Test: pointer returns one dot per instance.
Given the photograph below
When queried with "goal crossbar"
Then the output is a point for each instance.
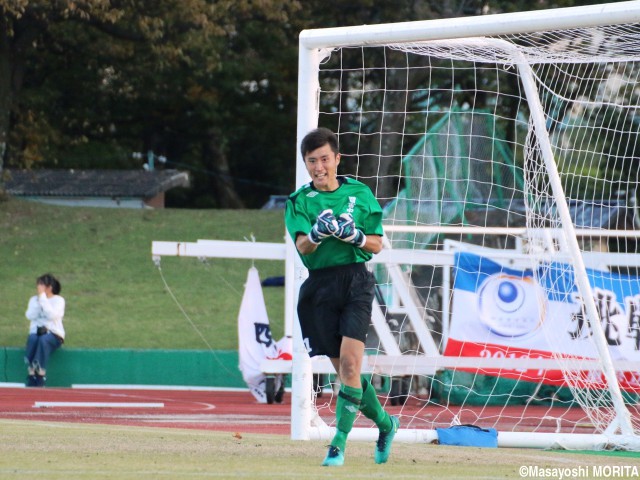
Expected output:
(485, 25)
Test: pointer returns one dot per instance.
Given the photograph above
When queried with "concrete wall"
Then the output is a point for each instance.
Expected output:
(130, 367)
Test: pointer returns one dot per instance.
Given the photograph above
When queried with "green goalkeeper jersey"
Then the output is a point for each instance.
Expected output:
(354, 197)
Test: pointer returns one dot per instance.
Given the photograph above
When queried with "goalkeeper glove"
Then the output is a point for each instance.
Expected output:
(348, 232)
(326, 225)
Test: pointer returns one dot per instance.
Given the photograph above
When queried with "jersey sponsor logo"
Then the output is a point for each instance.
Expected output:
(352, 205)
(312, 194)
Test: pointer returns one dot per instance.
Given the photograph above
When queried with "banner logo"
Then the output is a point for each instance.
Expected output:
(511, 306)
(263, 334)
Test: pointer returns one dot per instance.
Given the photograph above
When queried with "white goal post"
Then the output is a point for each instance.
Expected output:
(559, 81)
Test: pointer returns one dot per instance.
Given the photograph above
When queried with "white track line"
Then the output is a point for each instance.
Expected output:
(87, 386)
(98, 404)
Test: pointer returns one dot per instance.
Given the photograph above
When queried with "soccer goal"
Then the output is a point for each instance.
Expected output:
(505, 150)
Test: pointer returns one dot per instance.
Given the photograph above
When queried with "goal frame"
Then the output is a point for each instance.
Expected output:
(314, 46)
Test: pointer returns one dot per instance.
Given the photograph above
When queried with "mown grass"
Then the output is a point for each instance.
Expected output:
(114, 293)
(83, 451)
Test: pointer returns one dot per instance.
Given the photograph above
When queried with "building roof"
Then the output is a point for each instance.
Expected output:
(93, 183)
(614, 214)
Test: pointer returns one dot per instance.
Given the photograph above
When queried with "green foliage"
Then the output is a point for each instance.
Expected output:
(93, 76)
(209, 85)
(115, 295)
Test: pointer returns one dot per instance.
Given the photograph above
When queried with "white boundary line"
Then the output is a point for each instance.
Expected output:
(103, 386)
(155, 387)
(98, 404)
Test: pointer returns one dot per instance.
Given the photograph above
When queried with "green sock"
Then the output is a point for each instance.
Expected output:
(347, 407)
(371, 408)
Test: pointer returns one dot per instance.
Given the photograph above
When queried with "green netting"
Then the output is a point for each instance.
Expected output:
(464, 388)
(462, 164)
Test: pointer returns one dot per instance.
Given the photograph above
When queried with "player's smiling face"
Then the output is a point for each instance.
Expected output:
(322, 165)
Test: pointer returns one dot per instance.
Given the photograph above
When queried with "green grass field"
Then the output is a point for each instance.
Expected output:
(81, 451)
(114, 293)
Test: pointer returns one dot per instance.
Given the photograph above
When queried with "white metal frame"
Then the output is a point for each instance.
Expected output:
(314, 45)
(392, 363)
(313, 48)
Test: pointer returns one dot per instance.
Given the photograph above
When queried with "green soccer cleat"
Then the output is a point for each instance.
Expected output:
(383, 445)
(334, 458)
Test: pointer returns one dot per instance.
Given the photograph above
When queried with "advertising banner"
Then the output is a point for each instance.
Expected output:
(500, 312)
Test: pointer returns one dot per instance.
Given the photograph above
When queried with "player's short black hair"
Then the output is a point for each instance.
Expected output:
(49, 280)
(318, 138)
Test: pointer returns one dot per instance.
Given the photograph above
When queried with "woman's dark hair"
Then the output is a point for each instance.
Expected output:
(49, 280)
(318, 138)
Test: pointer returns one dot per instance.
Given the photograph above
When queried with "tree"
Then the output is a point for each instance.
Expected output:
(209, 84)
(86, 76)
(381, 145)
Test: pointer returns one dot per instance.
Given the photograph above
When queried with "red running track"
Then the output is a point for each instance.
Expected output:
(238, 411)
(205, 410)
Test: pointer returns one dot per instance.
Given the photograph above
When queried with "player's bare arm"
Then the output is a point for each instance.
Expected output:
(373, 244)
(306, 246)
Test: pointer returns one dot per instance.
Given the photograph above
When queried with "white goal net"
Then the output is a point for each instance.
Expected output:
(506, 155)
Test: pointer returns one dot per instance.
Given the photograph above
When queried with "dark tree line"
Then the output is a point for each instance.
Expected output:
(210, 85)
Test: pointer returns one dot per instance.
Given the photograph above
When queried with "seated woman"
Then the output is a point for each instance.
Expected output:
(46, 333)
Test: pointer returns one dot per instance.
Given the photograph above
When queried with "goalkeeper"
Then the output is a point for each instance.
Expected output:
(335, 223)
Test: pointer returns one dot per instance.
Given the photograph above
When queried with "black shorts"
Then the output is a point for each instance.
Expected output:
(333, 303)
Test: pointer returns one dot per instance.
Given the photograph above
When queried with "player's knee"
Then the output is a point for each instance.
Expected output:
(349, 368)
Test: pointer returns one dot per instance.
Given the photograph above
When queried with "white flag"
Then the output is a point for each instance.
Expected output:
(254, 336)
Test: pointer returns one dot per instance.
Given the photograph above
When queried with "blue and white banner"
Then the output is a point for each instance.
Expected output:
(503, 312)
